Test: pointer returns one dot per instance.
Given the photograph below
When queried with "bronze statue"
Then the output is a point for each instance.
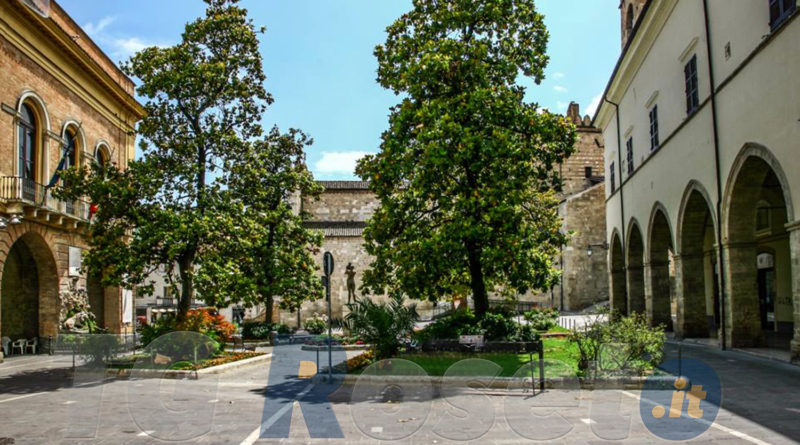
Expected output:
(350, 271)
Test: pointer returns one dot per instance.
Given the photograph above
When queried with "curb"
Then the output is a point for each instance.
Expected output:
(626, 383)
(183, 374)
(335, 348)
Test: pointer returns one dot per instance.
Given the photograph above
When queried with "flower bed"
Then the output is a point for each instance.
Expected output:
(146, 362)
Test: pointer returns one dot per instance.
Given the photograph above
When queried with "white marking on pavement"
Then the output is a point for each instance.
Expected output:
(69, 402)
(22, 397)
(588, 421)
(377, 429)
(715, 425)
(145, 433)
(213, 401)
(254, 436)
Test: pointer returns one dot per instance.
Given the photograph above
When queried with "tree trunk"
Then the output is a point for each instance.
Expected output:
(185, 265)
(268, 312)
(479, 294)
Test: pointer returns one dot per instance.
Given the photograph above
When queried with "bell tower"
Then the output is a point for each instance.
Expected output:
(629, 13)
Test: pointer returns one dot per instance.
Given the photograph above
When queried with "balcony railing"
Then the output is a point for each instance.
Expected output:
(14, 189)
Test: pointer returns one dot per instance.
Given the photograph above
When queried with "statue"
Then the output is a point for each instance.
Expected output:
(350, 271)
(76, 313)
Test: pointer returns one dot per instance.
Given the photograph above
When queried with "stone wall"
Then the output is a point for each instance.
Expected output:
(584, 275)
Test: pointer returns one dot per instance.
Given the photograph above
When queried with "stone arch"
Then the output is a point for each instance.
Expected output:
(660, 268)
(619, 287)
(28, 271)
(759, 310)
(102, 152)
(746, 154)
(33, 98)
(697, 275)
(42, 117)
(635, 268)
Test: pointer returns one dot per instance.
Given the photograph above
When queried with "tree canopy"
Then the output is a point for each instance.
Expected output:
(466, 173)
(210, 187)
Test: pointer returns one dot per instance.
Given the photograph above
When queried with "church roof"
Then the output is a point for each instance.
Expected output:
(338, 228)
(344, 185)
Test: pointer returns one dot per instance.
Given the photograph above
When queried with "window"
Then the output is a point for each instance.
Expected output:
(612, 178)
(779, 11)
(692, 94)
(587, 171)
(27, 152)
(629, 150)
(763, 218)
(654, 128)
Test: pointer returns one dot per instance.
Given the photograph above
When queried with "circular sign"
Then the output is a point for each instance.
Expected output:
(327, 263)
(683, 405)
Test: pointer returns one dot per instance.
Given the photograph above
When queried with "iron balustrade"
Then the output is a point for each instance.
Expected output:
(28, 191)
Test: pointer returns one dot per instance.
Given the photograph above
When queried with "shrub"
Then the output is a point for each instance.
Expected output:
(257, 330)
(208, 322)
(317, 324)
(542, 319)
(451, 326)
(498, 327)
(383, 325)
(623, 345)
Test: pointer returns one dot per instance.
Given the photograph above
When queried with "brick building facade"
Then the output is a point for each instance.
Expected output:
(59, 93)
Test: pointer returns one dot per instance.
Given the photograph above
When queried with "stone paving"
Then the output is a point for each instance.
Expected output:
(761, 404)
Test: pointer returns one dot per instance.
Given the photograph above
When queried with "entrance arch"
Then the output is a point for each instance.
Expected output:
(635, 261)
(29, 290)
(698, 286)
(619, 292)
(660, 269)
(759, 307)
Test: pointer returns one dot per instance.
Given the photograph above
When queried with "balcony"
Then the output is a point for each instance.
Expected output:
(34, 200)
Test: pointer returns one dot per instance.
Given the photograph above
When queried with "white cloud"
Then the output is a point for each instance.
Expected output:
(560, 89)
(125, 48)
(593, 105)
(558, 75)
(94, 29)
(338, 162)
(119, 48)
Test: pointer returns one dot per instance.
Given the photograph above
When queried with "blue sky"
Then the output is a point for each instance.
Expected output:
(320, 68)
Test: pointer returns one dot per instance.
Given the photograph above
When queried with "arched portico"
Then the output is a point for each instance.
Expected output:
(697, 290)
(659, 270)
(761, 267)
(619, 293)
(29, 289)
(635, 269)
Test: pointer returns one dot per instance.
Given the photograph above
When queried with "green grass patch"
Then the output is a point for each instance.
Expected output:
(560, 357)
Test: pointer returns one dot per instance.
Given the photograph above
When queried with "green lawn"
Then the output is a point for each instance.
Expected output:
(560, 357)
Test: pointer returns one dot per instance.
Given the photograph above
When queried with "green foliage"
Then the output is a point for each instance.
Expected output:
(623, 345)
(493, 326)
(316, 325)
(257, 330)
(465, 174)
(542, 319)
(203, 197)
(383, 325)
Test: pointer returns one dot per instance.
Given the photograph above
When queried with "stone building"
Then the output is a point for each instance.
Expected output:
(341, 213)
(582, 209)
(59, 94)
(700, 119)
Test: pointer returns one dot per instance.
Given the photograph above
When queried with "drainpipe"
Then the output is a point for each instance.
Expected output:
(621, 194)
(721, 258)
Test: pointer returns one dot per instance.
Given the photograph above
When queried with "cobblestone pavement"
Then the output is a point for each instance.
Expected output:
(761, 403)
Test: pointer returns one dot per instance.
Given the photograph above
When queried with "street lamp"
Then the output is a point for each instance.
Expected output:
(589, 249)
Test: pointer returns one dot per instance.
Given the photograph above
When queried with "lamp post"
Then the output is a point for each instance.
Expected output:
(327, 267)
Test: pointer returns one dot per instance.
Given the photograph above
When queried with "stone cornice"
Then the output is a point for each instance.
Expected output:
(59, 55)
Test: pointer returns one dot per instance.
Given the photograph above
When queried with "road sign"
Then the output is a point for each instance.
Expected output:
(327, 263)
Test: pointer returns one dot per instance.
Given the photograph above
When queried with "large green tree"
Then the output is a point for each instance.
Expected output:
(465, 174)
(275, 250)
(184, 202)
